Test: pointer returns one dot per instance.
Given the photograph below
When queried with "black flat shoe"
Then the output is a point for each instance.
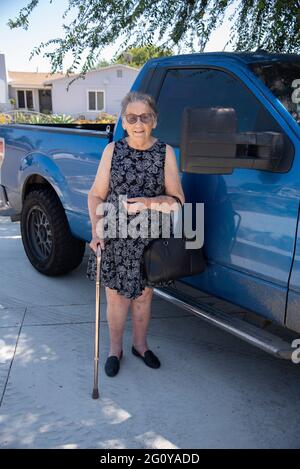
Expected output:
(112, 365)
(149, 358)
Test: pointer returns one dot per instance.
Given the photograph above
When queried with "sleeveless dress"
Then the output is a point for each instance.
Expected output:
(134, 173)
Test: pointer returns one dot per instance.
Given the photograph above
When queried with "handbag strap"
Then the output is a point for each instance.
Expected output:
(181, 205)
(177, 200)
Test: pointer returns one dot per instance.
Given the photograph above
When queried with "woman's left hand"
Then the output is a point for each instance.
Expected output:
(135, 205)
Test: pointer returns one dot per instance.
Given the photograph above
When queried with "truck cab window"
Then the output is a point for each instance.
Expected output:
(207, 87)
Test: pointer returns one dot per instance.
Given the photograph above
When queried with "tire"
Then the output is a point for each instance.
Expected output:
(46, 236)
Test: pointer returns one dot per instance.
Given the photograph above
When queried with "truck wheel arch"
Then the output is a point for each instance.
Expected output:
(51, 249)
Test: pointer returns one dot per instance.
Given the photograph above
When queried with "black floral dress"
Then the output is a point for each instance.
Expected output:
(134, 173)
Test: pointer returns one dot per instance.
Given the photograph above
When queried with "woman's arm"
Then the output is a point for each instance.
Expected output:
(98, 192)
(173, 185)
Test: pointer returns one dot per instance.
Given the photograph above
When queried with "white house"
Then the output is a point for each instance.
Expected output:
(29, 91)
(101, 90)
(26, 89)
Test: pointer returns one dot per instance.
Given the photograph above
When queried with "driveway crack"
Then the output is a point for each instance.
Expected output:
(13, 357)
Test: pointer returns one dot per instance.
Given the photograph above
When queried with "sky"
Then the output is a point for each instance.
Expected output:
(45, 23)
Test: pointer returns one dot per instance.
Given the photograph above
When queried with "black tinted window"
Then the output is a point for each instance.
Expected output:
(21, 99)
(29, 99)
(207, 88)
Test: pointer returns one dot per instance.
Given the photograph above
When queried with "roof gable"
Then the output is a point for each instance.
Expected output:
(101, 69)
(30, 79)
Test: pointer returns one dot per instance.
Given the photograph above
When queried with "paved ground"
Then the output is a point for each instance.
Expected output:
(212, 391)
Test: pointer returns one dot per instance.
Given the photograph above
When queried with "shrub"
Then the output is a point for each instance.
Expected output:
(60, 119)
(5, 119)
(105, 118)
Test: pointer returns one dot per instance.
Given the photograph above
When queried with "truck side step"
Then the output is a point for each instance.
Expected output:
(250, 333)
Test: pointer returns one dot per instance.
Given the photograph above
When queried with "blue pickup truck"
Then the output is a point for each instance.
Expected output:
(232, 119)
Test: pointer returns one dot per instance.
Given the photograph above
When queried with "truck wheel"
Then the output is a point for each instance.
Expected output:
(46, 235)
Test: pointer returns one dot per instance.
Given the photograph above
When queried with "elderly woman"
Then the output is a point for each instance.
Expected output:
(143, 169)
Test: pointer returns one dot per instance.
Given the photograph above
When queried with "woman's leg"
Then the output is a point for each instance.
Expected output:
(141, 313)
(117, 309)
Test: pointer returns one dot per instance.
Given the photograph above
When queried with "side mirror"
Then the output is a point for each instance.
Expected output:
(210, 143)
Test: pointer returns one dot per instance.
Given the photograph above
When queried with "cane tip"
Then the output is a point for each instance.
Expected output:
(95, 394)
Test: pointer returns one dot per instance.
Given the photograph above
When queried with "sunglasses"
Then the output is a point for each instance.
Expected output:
(145, 118)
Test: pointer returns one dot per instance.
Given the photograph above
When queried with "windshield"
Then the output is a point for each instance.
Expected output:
(283, 79)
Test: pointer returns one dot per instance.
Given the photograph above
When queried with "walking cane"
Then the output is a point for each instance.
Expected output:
(95, 394)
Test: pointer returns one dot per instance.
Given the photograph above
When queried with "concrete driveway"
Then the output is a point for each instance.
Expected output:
(212, 390)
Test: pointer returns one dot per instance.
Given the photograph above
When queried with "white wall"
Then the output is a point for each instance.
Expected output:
(4, 103)
(75, 101)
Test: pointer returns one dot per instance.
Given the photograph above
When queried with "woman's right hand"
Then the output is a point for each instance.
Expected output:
(94, 243)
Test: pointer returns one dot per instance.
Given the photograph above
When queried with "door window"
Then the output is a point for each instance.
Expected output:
(25, 99)
(205, 87)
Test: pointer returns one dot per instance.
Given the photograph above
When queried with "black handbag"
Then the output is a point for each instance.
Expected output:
(167, 259)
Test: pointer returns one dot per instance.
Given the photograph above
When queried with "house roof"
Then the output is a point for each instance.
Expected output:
(30, 79)
(91, 71)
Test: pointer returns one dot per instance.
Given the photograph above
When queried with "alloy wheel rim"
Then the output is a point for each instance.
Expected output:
(40, 233)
